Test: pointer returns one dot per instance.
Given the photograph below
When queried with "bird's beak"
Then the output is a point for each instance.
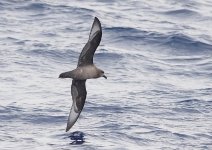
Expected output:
(104, 76)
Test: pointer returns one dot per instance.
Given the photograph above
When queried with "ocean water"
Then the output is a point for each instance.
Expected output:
(158, 59)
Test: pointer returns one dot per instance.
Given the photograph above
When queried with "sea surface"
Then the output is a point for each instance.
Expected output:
(157, 56)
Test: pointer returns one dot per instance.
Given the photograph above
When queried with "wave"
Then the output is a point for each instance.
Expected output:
(195, 101)
(38, 6)
(126, 33)
(8, 113)
(185, 42)
(44, 118)
(31, 6)
(182, 13)
(62, 56)
(193, 106)
(173, 40)
(123, 29)
(189, 101)
(184, 136)
(104, 55)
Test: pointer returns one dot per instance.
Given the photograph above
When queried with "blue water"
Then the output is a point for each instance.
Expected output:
(158, 59)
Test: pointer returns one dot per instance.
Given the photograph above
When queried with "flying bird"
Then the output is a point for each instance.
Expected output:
(85, 70)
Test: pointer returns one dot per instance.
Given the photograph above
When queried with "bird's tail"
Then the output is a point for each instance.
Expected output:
(66, 74)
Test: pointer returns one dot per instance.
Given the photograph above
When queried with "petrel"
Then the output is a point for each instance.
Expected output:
(85, 70)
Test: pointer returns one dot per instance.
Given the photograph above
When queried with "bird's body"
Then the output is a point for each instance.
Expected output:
(83, 73)
(85, 70)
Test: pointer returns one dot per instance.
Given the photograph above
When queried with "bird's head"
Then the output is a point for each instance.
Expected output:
(102, 74)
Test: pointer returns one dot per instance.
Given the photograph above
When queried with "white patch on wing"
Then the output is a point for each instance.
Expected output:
(74, 113)
(95, 28)
(72, 117)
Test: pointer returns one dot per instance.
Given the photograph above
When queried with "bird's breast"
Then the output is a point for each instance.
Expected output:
(86, 72)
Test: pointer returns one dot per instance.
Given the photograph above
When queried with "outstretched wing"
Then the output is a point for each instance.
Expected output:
(86, 56)
(78, 92)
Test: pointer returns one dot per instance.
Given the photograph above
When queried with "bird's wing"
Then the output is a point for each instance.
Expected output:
(78, 92)
(86, 56)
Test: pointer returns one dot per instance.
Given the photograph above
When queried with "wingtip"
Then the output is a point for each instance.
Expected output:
(96, 19)
(72, 118)
(67, 129)
(96, 29)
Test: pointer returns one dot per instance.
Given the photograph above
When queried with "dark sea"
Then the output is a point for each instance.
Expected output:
(157, 56)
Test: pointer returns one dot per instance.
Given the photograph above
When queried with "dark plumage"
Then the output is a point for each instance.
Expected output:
(85, 70)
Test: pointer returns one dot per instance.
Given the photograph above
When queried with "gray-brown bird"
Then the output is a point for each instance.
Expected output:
(85, 70)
